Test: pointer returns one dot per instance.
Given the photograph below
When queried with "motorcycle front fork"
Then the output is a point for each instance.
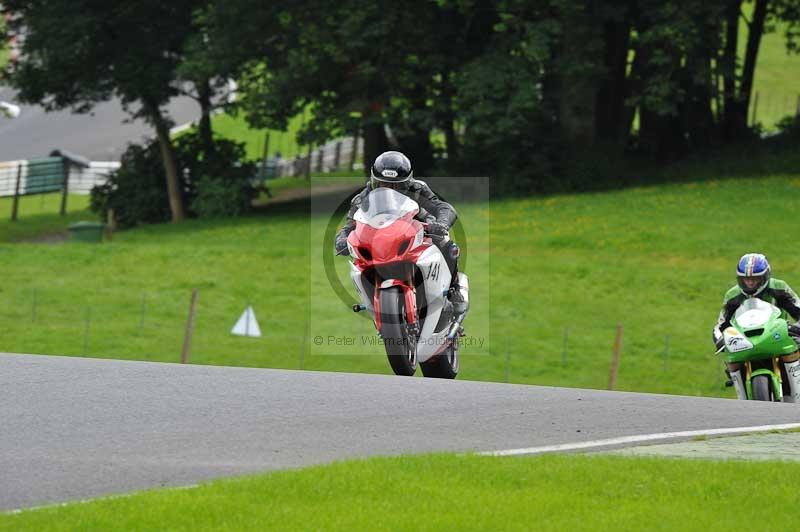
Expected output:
(791, 366)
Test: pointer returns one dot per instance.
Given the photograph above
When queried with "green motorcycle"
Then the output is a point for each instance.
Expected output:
(757, 338)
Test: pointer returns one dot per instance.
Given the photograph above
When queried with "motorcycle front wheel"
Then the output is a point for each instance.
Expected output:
(762, 388)
(443, 366)
(400, 347)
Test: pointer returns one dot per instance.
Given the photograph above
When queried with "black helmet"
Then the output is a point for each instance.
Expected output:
(391, 169)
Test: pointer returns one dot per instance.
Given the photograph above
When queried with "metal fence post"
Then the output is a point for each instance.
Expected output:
(15, 208)
(264, 154)
(65, 165)
(86, 331)
(187, 338)
(614, 370)
(337, 153)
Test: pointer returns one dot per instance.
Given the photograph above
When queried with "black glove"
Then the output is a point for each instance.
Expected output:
(437, 231)
(341, 246)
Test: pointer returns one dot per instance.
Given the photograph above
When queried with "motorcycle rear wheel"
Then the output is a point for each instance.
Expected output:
(762, 388)
(401, 348)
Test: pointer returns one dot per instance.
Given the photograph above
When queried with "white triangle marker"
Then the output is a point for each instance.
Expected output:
(247, 324)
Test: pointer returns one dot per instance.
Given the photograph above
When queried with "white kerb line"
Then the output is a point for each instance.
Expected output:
(638, 439)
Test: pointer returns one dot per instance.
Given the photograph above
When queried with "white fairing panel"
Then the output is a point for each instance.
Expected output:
(366, 299)
(736, 341)
(754, 312)
(436, 277)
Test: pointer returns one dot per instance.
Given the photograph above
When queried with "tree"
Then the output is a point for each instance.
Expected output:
(80, 52)
(356, 66)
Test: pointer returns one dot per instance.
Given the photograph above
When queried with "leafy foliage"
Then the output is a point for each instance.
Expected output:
(221, 178)
(136, 190)
(213, 184)
(510, 88)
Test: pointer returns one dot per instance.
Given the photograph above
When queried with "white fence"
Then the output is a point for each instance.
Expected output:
(340, 154)
(39, 176)
(81, 180)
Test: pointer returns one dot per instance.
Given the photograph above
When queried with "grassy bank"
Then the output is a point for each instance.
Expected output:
(38, 216)
(551, 280)
(438, 492)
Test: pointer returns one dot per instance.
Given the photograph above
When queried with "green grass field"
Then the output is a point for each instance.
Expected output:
(551, 279)
(236, 128)
(450, 492)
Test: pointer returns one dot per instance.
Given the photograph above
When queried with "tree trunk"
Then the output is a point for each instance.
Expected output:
(204, 127)
(751, 55)
(634, 86)
(375, 143)
(577, 63)
(611, 121)
(730, 124)
(699, 87)
(168, 159)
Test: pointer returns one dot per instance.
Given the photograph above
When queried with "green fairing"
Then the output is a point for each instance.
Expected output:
(762, 326)
(774, 341)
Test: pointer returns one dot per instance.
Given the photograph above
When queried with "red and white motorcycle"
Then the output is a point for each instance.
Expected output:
(403, 281)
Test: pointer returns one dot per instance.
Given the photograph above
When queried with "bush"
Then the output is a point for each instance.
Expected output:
(213, 184)
(137, 191)
(222, 182)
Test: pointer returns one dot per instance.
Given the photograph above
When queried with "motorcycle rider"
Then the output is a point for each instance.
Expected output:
(393, 169)
(755, 280)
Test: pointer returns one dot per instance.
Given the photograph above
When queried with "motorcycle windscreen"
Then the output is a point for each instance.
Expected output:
(383, 206)
(755, 312)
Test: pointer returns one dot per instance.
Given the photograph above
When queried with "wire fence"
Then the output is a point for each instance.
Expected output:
(152, 325)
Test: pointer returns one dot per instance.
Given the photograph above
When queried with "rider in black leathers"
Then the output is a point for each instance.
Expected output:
(393, 169)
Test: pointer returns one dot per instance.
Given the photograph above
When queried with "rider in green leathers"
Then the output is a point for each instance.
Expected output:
(755, 280)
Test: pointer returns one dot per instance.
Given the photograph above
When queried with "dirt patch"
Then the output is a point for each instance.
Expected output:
(294, 194)
(56, 237)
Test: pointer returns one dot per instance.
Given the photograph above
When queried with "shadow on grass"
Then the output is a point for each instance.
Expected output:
(599, 170)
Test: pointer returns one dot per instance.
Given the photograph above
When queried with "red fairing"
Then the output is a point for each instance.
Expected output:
(389, 245)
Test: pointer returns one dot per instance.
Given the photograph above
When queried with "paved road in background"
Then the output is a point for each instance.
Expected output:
(72, 428)
(99, 137)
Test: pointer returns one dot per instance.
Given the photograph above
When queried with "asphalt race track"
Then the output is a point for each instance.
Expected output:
(99, 136)
(73, 428)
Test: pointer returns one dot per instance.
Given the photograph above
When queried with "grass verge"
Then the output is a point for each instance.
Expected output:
(450, 492)
(551, 278)
(38, 216)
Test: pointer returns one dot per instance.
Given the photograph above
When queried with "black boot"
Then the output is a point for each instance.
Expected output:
(459, 289)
